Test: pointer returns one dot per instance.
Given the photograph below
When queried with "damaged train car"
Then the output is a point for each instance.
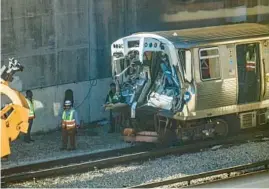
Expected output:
(193, 83)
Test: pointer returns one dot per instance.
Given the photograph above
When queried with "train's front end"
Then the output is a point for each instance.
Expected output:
(149, 73)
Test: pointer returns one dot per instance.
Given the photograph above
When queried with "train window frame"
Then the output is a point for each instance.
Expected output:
(206, 57)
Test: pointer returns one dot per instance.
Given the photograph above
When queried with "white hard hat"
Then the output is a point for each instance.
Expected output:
(67, 103)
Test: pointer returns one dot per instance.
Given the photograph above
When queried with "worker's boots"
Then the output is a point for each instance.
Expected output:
(71, 149)
(62, 149)
(5, 158)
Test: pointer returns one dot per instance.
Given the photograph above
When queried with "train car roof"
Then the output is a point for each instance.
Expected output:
(188, 38)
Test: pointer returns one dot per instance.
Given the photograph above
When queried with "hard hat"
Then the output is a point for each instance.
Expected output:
(67, 103)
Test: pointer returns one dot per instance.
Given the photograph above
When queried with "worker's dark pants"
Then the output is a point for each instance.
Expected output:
(70, 133)
(28, 136)
(112, 122)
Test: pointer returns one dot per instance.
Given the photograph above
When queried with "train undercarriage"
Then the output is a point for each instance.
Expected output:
(164, 129)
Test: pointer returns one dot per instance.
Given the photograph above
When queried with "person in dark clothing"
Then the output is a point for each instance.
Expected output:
(29, 99)
(113, 98)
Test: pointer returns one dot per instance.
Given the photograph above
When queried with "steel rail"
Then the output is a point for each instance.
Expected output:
(204, 175)
(229, 178)
(112, 161)
(74, 159)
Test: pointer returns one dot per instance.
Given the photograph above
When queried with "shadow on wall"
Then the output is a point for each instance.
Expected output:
(86, 99)
(42, 106)
(68, 95)
(47, 116)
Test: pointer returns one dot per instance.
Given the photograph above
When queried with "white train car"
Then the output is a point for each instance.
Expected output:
(202, 82)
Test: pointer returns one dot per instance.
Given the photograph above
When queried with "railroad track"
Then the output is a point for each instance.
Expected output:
(104, 160)
(75, 159)
(206, 177)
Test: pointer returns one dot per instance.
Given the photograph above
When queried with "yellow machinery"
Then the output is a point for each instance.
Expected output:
(14, 116)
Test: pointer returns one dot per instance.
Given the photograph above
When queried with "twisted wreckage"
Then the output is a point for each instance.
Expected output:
(193, 83)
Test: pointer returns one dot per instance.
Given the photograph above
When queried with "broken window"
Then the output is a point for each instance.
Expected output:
(182, 57)
(165, 82)
(210, 64)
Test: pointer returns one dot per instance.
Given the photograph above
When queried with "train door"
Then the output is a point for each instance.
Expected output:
(249, 75)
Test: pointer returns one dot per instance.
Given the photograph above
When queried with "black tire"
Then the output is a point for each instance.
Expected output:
(233, 122)
(221, 127)
(168, 138)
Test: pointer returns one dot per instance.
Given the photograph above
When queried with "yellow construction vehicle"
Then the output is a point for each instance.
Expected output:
(14, 115)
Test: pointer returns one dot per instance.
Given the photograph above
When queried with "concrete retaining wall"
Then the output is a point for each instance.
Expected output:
(89, 97)
(65, 43)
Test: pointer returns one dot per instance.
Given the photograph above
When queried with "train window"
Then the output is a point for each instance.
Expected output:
(127, 64)
(122, 66)
(181, 54)
(118, 66)
(251, 57)
(209, 63)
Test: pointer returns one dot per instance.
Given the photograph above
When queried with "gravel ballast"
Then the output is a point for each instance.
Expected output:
(47, 147)
(160, 169)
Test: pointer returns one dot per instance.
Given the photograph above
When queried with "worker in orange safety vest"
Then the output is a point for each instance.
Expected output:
(69, 124)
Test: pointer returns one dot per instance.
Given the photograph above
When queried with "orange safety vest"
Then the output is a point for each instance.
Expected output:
(250, 66)
(68, 122)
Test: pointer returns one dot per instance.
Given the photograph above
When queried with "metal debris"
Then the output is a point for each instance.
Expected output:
(216, 147)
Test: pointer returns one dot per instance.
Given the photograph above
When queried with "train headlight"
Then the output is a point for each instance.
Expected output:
(162, 46)
(187, 96)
